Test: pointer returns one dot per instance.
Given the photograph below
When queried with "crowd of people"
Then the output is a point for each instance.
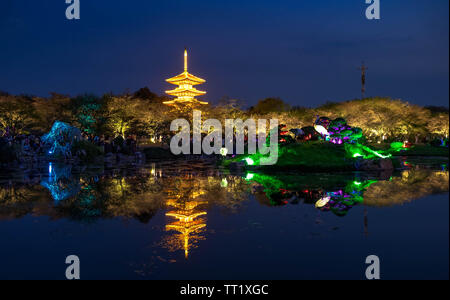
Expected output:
(22, 144)
(120, 145)
(109, 144)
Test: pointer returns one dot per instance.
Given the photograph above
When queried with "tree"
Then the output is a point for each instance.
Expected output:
(270, 105)
(87, 111)
(227, 108)
(16, 114)
(120, 112)
(129, 115)
(146, 94)
(438, 124)
(49, 110)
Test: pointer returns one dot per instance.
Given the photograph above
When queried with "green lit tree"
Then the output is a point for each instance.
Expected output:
(87, 112)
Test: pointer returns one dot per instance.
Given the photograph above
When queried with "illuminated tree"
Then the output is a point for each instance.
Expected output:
(16, 114)
(55, 108)
(87, 112)
(227, 108)
(438, 124)
(126, 114)
(120, 113)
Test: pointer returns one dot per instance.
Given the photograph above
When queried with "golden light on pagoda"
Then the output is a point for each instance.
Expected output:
(185, 93)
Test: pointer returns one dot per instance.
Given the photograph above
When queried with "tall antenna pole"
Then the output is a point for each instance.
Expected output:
(363, 69)
(185, 60)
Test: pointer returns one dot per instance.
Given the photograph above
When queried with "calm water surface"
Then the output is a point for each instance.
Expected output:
(187, 220)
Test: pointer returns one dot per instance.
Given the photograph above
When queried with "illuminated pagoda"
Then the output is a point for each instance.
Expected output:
(185, 92)
(188, 224)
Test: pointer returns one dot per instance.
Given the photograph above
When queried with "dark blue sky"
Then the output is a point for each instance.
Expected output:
(304, 51)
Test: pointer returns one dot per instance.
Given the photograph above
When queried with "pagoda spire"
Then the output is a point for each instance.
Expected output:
(185, 60)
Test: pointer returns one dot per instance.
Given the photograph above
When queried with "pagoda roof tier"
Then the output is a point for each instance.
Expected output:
(185, 92)
(184, 101)
(185, 78)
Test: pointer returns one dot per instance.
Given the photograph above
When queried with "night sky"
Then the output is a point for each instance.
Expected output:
(305, 51)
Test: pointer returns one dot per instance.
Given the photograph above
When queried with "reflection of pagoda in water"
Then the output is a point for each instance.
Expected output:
(187, 213)
(185, 92)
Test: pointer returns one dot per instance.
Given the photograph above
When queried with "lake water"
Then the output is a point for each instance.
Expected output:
(188, 220)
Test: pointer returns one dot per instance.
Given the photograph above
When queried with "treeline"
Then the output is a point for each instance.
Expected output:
(379, 118)
(143, 114)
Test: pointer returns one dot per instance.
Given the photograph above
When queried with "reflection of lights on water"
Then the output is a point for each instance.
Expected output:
(188, 223)
(224, 183)
(153, 170)
(381, 155)
(50, 168)
(357, 155)
(322, 202)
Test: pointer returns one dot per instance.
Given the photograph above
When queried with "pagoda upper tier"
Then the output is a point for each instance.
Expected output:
(185, 78)
(185, 92)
